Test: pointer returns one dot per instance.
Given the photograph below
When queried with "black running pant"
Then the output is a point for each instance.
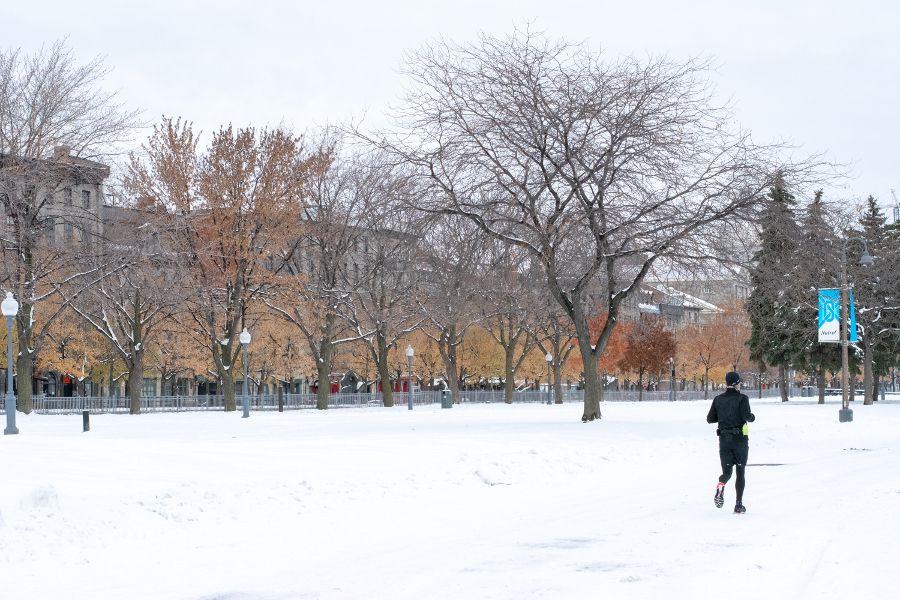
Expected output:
(733, 451)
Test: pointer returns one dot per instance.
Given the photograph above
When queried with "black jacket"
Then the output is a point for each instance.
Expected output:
(731, 410)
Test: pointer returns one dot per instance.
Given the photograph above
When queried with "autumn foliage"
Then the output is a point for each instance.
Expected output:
(649, 347)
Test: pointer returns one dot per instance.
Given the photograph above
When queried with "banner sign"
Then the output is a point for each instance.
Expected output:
(830, 316)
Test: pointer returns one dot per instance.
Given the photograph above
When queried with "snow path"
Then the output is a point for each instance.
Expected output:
(481, 501)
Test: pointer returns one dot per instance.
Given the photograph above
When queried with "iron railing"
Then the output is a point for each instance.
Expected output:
(104, 404)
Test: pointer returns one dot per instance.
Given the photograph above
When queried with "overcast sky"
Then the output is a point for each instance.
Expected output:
(822, 74)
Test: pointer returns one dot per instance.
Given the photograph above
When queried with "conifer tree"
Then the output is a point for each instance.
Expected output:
(816, 266)
(888, 322)
(768, 305)
(864, 280)
(876, 289)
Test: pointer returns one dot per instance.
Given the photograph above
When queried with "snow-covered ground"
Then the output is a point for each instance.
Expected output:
(480, 501)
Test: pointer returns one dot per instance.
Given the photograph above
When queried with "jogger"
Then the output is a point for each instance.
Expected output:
(731, 410)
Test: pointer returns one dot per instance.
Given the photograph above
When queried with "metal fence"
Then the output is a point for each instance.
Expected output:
(102, 404)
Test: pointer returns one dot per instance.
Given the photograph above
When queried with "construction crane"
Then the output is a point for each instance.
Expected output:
(896, 206)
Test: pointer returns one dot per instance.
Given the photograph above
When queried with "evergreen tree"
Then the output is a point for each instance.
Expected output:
(886, 323)
(867, 288)
(768, 305)
(816, 266)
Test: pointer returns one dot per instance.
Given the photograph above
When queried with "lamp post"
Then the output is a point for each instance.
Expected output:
(846, 414)
(409, 359)
(245, 341)
(549, 358)
(10, 308)
(672, 382)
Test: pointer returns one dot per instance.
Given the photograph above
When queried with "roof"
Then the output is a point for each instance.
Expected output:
(649, 308)
(689, 301)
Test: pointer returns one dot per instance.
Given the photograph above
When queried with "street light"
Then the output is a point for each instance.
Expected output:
(10, 308)
(549, 358)
(672, 384)
(845, 415)
(245, 341)
(409, 357)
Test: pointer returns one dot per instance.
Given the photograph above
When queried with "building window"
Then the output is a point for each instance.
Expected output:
(67, 197)
(149, 387)
(86, 199)
(68, 231)
(707, 289)
(51, 231)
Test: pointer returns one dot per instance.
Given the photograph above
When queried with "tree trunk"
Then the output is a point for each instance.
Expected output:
(447, 347)
(323, 372)
(24, 360)
(593, 390)
(135, 383)
(867, 373)
(23, 377)
(323, 365)
(820, 380)
(384, 373)
(782, 382)
(509, 378)
(557, 382)
(226, 379)
(453, 382)
(706, 384)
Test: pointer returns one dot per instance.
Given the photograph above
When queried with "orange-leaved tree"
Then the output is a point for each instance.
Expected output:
(649, 347)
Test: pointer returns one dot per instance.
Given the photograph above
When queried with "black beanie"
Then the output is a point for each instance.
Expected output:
(732, 379)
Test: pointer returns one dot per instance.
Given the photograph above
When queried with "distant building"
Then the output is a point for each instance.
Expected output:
(68, 192)
(675, 307)
(715, 291)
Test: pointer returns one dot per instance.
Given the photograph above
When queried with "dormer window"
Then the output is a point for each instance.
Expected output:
(86, 199)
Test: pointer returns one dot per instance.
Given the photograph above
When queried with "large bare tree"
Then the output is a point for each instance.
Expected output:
(57, 127)
(598, 168)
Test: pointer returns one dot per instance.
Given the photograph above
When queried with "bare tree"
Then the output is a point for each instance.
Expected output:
(596, 168)
(128, 306)
(56, 126)
(315, 284)
(386, 277)
(555, 336)
(450, 287)
(509, 309)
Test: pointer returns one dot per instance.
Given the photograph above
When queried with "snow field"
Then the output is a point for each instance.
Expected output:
(480, 501)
